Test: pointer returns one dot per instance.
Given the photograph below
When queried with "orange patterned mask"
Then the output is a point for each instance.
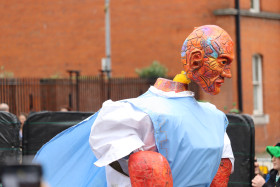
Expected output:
(207, 54)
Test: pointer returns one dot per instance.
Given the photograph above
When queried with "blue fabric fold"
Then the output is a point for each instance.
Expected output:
(68, 160)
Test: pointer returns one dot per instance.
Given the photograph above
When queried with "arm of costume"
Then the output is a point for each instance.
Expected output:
(118, 130)
(148, 168)
(226, 166)
(227, 151)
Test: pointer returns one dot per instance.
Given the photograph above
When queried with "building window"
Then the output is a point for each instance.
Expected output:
(255, 5)
(257, 85)
(258, 114)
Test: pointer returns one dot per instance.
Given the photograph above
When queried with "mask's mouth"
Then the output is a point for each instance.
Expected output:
(219, 81)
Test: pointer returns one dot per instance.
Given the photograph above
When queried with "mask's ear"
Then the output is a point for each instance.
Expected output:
(196, 59)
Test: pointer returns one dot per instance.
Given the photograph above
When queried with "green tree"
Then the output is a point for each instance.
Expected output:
(5, 74)
(154, 71)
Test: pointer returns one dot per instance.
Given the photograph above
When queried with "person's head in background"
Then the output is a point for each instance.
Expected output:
(64, 109)
(274, 152)
(4, 107)
(22, 117)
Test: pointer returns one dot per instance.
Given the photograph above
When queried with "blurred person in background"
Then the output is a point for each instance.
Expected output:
(22, 118)
(4, 107)
(272, 178)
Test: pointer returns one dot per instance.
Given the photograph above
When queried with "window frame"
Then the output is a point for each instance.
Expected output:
(257, 83)
(255, 6)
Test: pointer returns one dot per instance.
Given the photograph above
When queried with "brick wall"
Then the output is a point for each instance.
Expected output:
(46, 38)
(43, 39)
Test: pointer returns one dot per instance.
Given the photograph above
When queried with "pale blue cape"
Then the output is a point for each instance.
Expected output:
(189, 134)
(68, 160)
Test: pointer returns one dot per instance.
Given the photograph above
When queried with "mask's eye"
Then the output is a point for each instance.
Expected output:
(224, 61)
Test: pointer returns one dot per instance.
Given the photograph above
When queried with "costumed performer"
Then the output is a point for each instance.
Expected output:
(166, 119)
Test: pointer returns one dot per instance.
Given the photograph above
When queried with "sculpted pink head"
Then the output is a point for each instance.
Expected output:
(206, 55)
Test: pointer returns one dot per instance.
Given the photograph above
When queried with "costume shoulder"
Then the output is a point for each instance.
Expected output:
(212, 108)
(208, 105)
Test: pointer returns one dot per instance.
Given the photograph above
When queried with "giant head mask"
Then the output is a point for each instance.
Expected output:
(206, 55)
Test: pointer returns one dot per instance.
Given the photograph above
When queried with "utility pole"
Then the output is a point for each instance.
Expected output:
(107, 39)
(238, 54)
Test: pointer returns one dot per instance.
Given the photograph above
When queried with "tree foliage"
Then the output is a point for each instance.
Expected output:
(5, 74)
(154, 71)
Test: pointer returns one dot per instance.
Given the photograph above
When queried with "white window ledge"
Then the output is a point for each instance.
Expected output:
(260, 119)
(246, 13)
(254, 10)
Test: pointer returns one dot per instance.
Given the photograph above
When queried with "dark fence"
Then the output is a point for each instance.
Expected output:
(40, 127)
(80, 94)
(9, 140)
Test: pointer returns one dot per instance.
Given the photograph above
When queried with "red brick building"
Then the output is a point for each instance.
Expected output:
(47, 38)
